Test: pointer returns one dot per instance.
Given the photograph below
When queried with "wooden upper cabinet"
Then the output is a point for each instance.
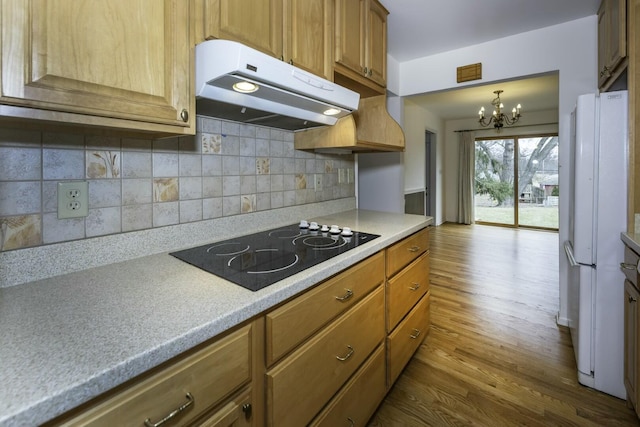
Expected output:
(256, 23)
(361, 45)
(308, 35)
(118, 63)
(296, 31)
(376, 43)
(612, 41)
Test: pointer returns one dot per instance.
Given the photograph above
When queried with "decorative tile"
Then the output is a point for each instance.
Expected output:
(165, 190)
(20, 232)
(103, 164)
(262, 166)
(328, 166)
(301, 181)
(248, 203)
(211, 143)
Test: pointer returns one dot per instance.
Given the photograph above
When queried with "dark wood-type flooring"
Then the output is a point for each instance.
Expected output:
(495, 355)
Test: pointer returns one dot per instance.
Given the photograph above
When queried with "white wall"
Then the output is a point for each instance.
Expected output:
(569, 48)
(417, 121)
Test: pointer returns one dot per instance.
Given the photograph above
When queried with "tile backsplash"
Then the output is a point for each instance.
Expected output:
(227, 168)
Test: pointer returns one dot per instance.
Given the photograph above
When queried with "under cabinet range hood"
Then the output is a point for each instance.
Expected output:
(239, 83)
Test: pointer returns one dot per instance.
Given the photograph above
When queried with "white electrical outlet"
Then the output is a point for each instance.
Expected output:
(341, 176)
(317, 182)
(73, 199)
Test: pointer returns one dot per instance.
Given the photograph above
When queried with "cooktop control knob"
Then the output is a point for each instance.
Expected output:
(304, 224)
(334, 229)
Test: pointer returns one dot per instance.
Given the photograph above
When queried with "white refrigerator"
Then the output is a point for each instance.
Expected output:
(598, 214)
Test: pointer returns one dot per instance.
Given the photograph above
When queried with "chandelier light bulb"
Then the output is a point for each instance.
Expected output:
(499, 119)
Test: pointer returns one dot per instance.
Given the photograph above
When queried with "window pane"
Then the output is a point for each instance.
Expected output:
(538, 182)
(494, 178)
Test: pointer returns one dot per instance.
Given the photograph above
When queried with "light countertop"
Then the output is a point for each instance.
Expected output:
(632, 240)
(69, 338)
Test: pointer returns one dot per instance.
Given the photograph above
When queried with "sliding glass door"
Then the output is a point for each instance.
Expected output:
(516, 181)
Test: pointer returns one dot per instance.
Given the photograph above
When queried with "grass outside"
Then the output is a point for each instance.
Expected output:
(534, 216)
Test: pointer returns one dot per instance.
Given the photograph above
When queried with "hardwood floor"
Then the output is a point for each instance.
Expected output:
(494, 355)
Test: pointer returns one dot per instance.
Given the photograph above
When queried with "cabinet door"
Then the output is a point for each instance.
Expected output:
(256, 23)
(376, 51)
(350, 34)
(123, 59)
(308, 35)
(631, 342)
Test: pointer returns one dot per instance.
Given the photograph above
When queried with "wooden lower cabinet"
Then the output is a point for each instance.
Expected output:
(407, 337)
(301, 385)
(187, 388)
(237, 412)
(358, 400)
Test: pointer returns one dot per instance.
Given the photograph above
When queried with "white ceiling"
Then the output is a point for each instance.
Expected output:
(418, 28)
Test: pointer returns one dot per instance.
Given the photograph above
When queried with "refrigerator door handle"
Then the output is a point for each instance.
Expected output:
(568, 249)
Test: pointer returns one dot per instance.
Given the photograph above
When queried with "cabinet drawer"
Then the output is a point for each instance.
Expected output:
(315, 308)
(208, 376)
(405, 251)
(301, 384)
(358, 400)
(405, 289)
(630, 269)
(230, 414)
(406, 339)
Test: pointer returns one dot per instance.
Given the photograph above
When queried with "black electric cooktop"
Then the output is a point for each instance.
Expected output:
(258, 260)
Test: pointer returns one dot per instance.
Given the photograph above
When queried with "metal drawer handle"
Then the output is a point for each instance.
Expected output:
(414, 248)
(349, 354)
(352, 423)
(627, 266)
(415, 334)
(632, 299)
(172, 414)
(415, 287)
(346, 296)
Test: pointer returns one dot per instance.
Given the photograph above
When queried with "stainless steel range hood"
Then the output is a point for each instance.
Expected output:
(285, 96)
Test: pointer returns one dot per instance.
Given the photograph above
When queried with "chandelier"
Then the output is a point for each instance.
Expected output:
(499, 119)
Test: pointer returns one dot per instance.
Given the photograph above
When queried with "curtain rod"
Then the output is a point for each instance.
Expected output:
(510, 127)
